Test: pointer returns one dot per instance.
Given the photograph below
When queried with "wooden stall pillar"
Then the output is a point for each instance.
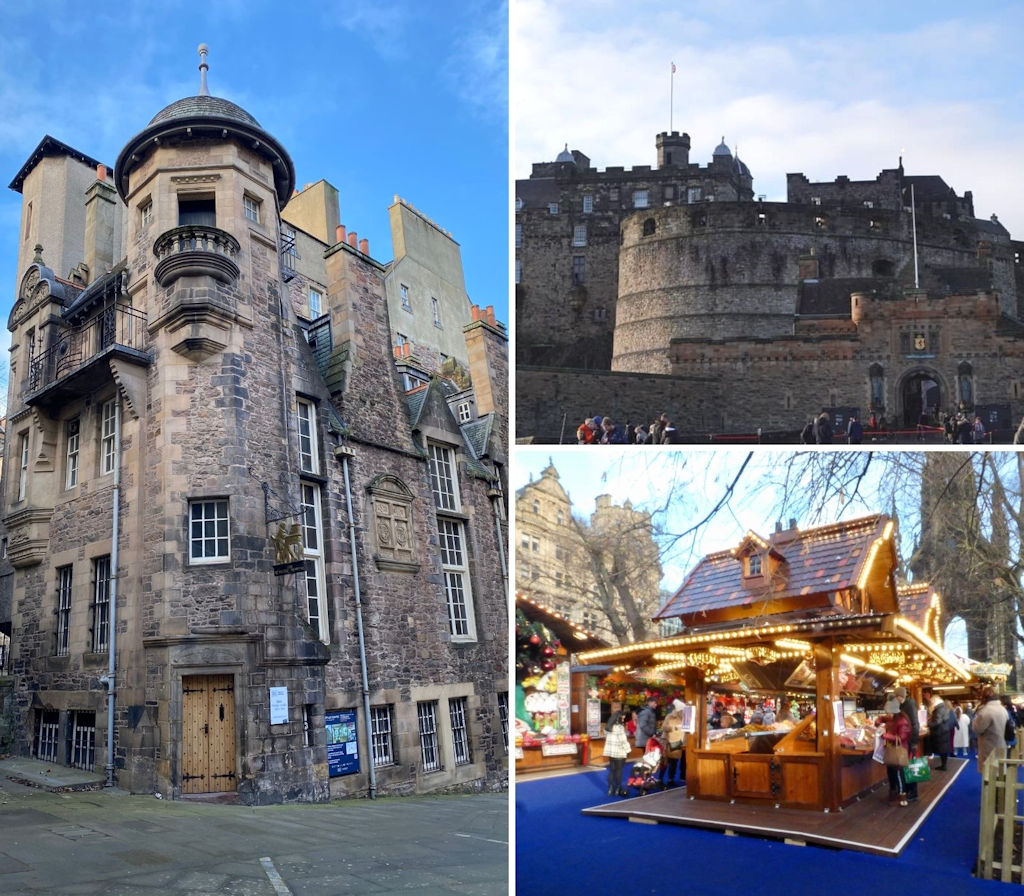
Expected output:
(826, 663)
(696, 695)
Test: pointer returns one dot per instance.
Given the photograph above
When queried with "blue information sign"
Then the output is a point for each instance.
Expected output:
(342, 743)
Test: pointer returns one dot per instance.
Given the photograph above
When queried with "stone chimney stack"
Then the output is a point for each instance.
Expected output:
(100, 208)
(487, 350)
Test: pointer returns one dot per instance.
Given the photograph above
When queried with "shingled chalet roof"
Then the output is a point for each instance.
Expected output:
(836, 569)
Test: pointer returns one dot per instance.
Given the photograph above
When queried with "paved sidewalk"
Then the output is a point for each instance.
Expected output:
(62, 842)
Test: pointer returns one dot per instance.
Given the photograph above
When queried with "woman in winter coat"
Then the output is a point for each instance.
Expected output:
(616, 748)
(897, 731)
(990, 724)
(673, 736)
(962, 731)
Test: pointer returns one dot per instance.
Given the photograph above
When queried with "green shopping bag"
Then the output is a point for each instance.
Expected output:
(917, 770)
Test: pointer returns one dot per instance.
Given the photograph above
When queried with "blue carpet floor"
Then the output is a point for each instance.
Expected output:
(560, 851)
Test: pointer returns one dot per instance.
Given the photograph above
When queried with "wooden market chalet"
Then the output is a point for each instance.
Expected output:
(814, 614)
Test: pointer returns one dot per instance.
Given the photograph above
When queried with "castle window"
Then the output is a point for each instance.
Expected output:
(579, 235)
(251, 207)
(464, 412)
(670, 192)
(71, 459)
(519, 204)
(519, 270)
(640, 199)
(430, 756)
(146, 212)
(108, 436)
(458, 714)
(965, 381)
(435, 308)
(875, 376)
(197, 212)
(519, 236)
(552, 208)
(309, 453)
(23, 465)
(650, 225)
(316, 299)
(100, 603)
(693, 194)
(588, 203)
(600, 314)
(63, 609)
(313, 554)
(208, 531)
(578, 269)
(382, 743)
(404, 290)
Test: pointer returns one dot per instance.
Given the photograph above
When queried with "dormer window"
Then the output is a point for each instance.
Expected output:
(754, 565)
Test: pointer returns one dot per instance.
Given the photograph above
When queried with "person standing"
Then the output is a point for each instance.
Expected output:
(962, 731)
(616, 749)
(823, 429)
(938, 726)
(854, 431)
(674, 737)
(897, 732)
(989, 724)
(647, 722)
(908, 706)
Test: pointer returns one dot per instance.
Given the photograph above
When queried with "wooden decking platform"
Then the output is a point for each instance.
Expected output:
(871, 824)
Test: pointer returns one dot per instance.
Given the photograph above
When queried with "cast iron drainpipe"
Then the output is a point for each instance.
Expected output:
(344, 452)
(112, 624)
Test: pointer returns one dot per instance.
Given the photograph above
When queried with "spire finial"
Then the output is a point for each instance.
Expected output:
(203, 67)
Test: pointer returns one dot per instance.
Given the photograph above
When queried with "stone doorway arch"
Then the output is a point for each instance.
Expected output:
(920, 391)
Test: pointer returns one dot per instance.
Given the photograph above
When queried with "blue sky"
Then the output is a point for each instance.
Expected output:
(378, 98)
(809, 86)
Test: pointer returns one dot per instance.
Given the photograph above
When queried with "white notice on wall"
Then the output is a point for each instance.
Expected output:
(279, 706)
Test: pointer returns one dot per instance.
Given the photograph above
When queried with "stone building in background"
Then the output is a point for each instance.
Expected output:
(602, 574)
(646, 290)
(251, 555)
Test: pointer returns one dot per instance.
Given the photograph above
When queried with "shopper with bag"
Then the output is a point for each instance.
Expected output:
(896, 755)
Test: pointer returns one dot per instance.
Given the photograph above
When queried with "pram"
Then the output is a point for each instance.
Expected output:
(644, 775)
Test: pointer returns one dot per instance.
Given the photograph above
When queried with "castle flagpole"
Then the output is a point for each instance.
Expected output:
(671, 95)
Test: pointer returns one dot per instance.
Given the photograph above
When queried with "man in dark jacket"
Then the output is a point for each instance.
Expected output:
(823, 429)
(647, 722)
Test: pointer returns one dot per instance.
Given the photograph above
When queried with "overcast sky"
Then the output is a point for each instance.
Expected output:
(378, 97)
(814, 86)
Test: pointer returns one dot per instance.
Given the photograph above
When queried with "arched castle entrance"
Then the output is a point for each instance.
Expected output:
(920, 391)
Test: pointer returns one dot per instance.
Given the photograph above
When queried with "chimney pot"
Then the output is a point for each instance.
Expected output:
(101, 172)
(353, 240)
(364, 247)
(339, 233)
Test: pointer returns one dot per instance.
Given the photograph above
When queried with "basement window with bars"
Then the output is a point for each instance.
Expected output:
(46, 735)
(382, 742)
(83, 740)
(457, 712)
(430, 754)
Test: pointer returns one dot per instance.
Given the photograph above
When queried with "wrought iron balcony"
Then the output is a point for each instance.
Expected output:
(76, 362)
(196, 250)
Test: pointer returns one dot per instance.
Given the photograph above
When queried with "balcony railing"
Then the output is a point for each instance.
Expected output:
(196, 250)
(116, 326)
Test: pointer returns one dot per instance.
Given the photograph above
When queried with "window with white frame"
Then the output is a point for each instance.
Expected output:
(209, 532)
(519, 270)
(579, 235)
(71, 461)
(146, 212)
(693, 194)
(381, 738)
(640, 199)
(443, 480)
(588, 203)
(63, 609)
(455, 569)
(435, 308)
(313, 552)
(251, 207)
(316, 302)
(519, 236)
(465, 412)
(430, 754)
(100, 603)
(309, 449)
(404, 292)
(108, 436)
(23, 465)
(552, 208)
(503, 716)
(457, 712)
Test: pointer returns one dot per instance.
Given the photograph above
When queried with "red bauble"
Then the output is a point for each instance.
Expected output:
(548, 651)
(535, 639)
(548, 665)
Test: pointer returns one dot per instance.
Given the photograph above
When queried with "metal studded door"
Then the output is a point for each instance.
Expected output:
(207, 734)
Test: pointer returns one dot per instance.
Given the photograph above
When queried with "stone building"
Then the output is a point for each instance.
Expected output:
(884, 297)
(602, 574)
(246, 557)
